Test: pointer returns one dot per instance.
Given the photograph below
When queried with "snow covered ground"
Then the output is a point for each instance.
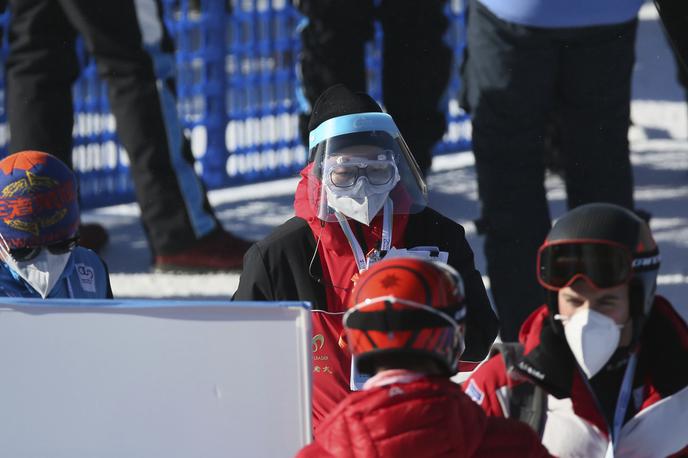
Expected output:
(659, 154)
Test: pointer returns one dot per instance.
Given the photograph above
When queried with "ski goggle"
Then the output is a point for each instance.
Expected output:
(604, 264)
(344, 172)
(28, 253)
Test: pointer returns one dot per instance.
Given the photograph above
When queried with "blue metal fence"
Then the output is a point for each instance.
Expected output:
(237, 87)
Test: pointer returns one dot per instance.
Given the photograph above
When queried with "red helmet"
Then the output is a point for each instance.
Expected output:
(407, 307)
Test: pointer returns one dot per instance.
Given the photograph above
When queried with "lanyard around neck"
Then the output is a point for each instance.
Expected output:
(385, 244)
(622, 403)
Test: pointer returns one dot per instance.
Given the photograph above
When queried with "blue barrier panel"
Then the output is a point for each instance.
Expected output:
(237, 89)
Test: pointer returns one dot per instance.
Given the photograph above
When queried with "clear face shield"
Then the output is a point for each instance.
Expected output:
(360, 161)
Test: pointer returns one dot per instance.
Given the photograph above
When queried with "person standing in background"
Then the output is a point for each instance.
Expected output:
(527, 59)
(134, 55)
(674, 15)
(416, 62)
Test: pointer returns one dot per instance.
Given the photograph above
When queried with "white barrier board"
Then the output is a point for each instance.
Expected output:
(153, 379)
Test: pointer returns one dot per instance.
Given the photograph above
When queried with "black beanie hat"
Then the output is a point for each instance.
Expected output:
(339, 100)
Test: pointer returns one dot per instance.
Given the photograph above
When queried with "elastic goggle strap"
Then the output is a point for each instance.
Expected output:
(420, 316)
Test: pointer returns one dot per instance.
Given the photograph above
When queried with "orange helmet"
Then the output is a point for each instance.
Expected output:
(407, 306)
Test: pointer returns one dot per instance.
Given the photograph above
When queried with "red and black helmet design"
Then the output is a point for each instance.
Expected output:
(606, 245)
(407, 306)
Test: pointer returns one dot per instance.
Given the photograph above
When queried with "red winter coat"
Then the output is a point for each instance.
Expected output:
(331, 358)
(307, 260)
(572, 423)
(429, 417)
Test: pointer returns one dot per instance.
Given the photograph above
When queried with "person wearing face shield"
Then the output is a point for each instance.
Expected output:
(602, 368)
(406, 325)
(39, 240)
(361, 198)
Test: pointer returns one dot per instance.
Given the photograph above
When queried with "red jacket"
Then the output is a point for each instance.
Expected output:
(429, 417)
(573, 424)
(331, 358)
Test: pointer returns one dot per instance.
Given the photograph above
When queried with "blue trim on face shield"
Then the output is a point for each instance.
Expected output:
(349, 124)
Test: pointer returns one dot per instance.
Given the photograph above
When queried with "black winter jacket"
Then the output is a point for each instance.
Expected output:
(285, 266)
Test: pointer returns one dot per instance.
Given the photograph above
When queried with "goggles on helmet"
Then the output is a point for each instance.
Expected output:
(405, 325)
(28, 253)
(411, 316)
(604, 264)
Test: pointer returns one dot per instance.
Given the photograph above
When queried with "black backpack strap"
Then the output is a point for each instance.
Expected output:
(527, 402)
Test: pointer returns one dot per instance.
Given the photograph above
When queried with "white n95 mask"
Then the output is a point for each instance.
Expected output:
(42, 272)
(363, 200)
(363, 209)
(592, 337)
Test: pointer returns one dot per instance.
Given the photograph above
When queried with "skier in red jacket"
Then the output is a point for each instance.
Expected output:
(406, 326)
(602, 366)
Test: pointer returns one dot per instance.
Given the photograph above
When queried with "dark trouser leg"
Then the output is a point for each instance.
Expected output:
(174, 207)
(41, 68)
(333, 48)
(510, 76)
(415, 72)
(595, 94)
